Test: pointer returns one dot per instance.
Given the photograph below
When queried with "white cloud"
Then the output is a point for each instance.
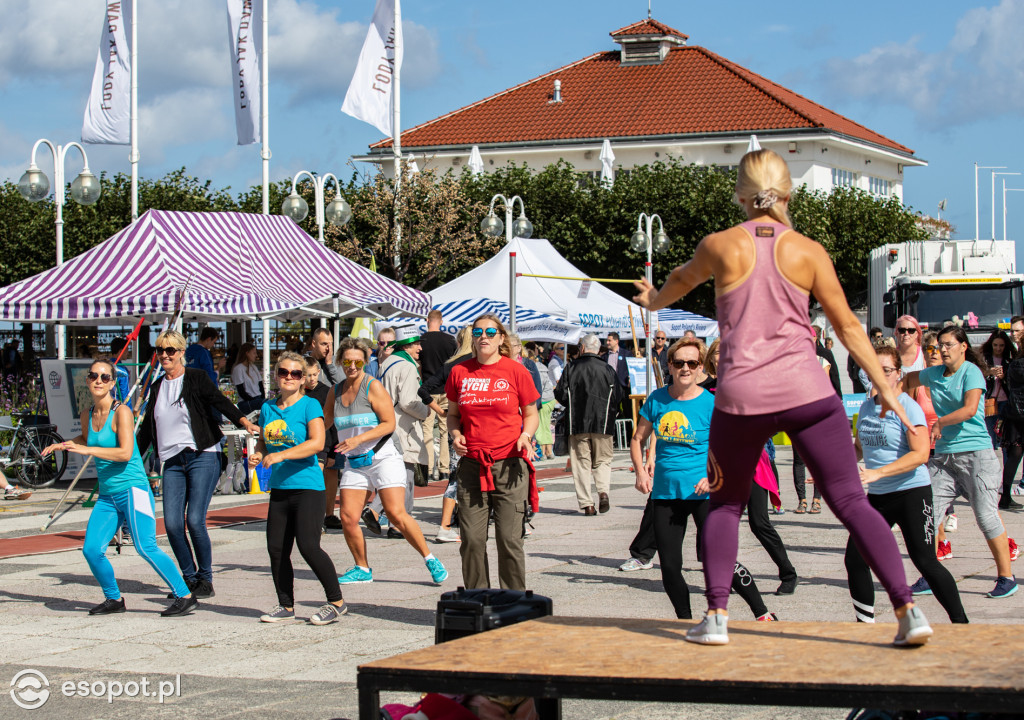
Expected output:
(979, 73)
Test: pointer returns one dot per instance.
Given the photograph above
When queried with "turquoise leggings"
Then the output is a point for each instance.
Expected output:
(108, 514)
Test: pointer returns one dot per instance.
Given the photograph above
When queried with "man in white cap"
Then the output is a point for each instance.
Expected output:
(400, 376)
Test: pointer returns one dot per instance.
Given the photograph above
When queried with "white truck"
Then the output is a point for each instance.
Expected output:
(937, 280)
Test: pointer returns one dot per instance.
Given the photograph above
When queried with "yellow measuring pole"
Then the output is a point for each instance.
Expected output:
(565, 277)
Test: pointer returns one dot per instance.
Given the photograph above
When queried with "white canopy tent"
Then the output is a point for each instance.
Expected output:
(588, 304)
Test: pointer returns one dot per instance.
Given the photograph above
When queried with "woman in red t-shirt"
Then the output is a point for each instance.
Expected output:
(492, 417)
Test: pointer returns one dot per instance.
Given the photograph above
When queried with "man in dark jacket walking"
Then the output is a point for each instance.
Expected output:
(589, 390)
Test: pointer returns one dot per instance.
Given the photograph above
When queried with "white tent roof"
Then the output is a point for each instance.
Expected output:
(588, 304)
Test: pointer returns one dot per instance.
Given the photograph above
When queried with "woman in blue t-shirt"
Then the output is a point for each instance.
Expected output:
(965, 462)
(291, 434)
(108, 435)
(900, 489)
(680, 417)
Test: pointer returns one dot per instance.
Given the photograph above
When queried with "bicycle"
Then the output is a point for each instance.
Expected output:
(24, 454)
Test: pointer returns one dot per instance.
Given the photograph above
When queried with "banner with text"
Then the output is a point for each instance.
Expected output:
(67, 395)
(108, 112)
(370, 96)
(245, 36)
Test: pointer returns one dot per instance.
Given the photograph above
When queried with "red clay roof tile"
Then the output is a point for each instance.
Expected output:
(647, 27)
(693, 91)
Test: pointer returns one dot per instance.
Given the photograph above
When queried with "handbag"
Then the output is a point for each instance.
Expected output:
(990, 407)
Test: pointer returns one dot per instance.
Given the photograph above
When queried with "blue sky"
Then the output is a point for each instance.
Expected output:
(944, 78)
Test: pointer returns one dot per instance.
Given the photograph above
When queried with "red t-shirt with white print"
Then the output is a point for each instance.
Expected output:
(489, 398)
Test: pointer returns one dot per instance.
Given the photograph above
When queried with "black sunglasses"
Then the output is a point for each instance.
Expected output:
(93, 376)
(293, 374)
(906, 331)
(480, 332)
(166, 350)
(680, 364)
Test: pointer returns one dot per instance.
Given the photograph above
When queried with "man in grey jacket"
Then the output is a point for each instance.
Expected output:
(589, 390)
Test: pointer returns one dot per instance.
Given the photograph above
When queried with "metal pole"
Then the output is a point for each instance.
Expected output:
(993, 236)
(266, 354)
(1004, 209)
(648, 273)
(58, 197)
(265, 120)
(133, 156)
(976, 228)
(396, 131)
(318, 205)
(512, 292)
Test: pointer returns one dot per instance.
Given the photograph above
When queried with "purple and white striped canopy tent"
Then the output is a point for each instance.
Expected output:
(242, 267)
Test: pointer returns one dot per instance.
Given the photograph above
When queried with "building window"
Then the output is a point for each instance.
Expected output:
(843, 178)
(878, 186)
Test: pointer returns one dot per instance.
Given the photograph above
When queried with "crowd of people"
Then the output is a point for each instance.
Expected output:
(353, 428)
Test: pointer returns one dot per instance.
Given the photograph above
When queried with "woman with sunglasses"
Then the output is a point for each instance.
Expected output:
(186, 438)
(996, 353)
(492, 417)
(108, 435)
(769, 379)
(899, 487)
(292, 435)
(363, 414)
(679, 415)
(908, 342)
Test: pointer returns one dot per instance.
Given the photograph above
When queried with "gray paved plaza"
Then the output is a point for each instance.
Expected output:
(230, 665)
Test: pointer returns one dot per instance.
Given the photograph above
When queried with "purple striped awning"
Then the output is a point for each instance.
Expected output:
(241, 267)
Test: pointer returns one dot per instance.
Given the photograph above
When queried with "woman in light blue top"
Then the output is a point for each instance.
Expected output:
(108, 435)
(364, 415)
(900, 489)
(291, 435)
(964, 462)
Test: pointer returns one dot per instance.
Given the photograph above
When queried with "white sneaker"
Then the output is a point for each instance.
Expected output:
(633, 564)
(951, 523)
(712, 630)
(447, 535)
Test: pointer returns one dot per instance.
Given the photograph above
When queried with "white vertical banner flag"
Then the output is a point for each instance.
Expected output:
(370, 97)
(108, 112)
(245, 36)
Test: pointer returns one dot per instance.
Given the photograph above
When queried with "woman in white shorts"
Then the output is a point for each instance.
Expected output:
(364, 415)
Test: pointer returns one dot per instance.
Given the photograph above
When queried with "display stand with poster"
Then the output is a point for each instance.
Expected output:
(67, 396)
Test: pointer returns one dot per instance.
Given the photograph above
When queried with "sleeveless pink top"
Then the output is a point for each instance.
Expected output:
(767, 358)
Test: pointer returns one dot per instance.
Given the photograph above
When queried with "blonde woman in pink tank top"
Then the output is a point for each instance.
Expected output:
(769, 380)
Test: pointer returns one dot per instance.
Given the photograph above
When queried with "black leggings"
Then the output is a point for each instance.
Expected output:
(800, 479)
(912, 511)
(297, 516)
(765, 532)
(670, 519)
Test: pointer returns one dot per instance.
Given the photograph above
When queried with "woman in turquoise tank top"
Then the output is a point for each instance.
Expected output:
(108, 435)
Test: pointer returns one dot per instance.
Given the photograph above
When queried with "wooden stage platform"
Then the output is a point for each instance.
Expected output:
(845, 665)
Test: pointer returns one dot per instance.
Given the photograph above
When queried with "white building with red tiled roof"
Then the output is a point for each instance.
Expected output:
(656, 98)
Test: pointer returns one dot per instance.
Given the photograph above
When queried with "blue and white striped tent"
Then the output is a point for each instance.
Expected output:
(676, 322)
(530, 324)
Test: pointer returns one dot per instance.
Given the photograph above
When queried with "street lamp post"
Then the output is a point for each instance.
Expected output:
(645, 239)
(977, 227)
(492, 226)
(994, 203)
(338, 212)
(85, 190)
(1006, 190)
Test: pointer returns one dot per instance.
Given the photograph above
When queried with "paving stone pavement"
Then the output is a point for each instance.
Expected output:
(230, 665)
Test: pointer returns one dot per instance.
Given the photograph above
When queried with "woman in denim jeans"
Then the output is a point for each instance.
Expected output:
(186, 438)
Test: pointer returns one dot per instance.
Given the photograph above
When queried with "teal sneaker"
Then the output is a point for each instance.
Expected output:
(356, 575)
(437, 571)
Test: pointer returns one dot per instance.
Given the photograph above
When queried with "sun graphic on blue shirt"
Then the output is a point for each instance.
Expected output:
(674, 426)
(276, 433)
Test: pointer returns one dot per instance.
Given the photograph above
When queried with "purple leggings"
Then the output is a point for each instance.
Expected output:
(821, 434)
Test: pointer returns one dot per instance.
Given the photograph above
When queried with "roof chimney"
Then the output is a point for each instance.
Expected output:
(556, 95)
(647, 42)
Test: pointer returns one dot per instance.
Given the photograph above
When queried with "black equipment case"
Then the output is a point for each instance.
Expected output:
(467, 612)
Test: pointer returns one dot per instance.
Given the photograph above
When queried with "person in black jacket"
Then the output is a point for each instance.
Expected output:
(825, 354)
(589, 389)
(180, 426)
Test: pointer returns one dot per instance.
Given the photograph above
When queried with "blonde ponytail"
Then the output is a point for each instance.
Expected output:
(765, 184)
